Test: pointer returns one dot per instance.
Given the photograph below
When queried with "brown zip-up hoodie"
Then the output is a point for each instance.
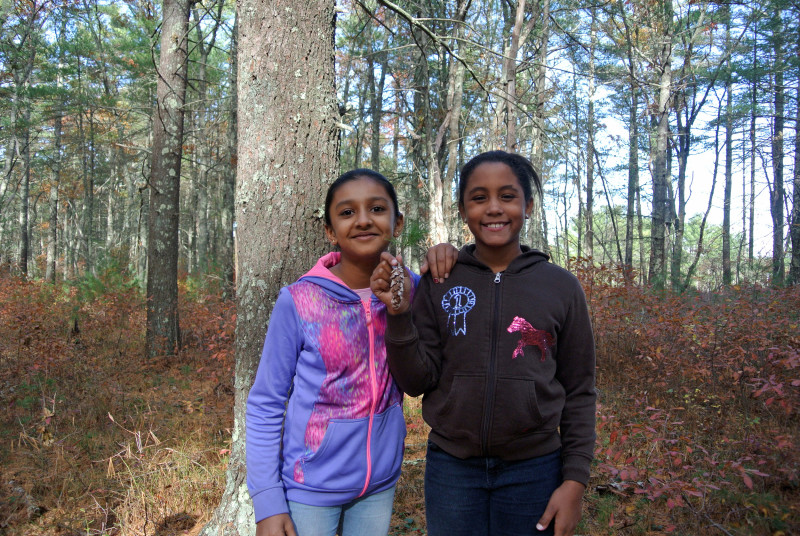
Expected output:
(505, 361)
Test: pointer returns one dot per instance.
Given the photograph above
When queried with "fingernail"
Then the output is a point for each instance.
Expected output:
(539, 526)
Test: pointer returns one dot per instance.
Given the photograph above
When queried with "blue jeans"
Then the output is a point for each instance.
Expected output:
(488, 496)
(365, 516)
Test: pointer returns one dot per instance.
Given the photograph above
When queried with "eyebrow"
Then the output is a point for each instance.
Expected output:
(370, 200)
(511, 187)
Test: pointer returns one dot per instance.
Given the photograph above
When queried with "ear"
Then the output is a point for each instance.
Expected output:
(330, 235)
(399, 222)
(462, 213)
(528, 208)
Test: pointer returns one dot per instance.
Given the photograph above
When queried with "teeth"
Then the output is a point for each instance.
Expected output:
(495, 225)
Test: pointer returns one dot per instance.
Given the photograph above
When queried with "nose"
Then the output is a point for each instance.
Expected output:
(494, 206)
(364, 218)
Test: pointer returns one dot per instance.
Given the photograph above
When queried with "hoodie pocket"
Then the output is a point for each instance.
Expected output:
(340, 463)
(388, 436)
(462, 411)
(516, 409)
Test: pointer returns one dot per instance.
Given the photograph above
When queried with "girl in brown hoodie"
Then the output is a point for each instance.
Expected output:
(503, 353)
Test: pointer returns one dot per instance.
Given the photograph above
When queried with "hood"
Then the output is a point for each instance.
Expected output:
(528, 258)
(320, 274)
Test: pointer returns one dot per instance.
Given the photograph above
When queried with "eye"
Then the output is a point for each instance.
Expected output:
(508, 197)
(478, 198)
(379, 208)
(346, 212)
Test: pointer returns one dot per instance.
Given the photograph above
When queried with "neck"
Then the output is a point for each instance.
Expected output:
(498, 259)
(353, 274)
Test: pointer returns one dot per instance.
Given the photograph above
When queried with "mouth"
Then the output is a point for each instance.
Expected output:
(495, 226)
(364, 236)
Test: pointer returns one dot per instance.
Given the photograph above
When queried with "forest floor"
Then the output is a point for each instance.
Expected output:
(698, 417)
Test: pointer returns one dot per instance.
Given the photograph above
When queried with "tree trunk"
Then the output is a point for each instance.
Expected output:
(376, 105)
(657, 270)
(510, 80)
(24, 216)
(753, 111)
(229, 173)
(455, 96)
(537, 235)
(589, 237)
(777, 192)
(633, 162)
(794, 231)
(726, 203)
(288, 153)
(52, 230)
(205, 44)
(162, 336)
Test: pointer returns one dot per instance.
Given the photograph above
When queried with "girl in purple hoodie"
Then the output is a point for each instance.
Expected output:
(325, 425)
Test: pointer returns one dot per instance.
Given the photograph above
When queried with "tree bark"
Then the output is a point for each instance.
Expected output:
(162, 336)
(726, 203)
(633, 151)
(777, 191)
(510, 79)
(589, 237)
(536, 232)
(52, 231)
(203, 120)
(287, 154)
(657, 270)
(229, 170)
(794, 232)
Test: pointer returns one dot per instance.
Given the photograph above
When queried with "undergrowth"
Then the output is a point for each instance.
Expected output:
(697, 416)
(98, 440)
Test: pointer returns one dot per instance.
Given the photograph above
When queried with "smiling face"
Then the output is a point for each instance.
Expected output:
(363, 220)
(495, 208)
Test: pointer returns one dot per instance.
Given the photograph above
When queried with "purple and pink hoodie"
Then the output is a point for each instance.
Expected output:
(325, 419)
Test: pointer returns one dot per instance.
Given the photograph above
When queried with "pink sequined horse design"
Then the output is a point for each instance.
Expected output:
(530, 337)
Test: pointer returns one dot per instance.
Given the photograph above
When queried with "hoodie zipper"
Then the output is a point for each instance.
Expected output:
(373, 386)
(491, 382)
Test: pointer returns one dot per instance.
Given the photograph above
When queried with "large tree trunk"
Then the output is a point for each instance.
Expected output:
(657, 270)
(162, 337)
(288, 152)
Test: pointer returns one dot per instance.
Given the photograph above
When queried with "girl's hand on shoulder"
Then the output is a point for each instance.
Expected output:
(277, 525)
(563, 509)
(439, 260)
(394, 293)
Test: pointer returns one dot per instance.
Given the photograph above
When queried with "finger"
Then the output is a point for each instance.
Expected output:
(388, 258)
(547, 517)
(443, 265)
